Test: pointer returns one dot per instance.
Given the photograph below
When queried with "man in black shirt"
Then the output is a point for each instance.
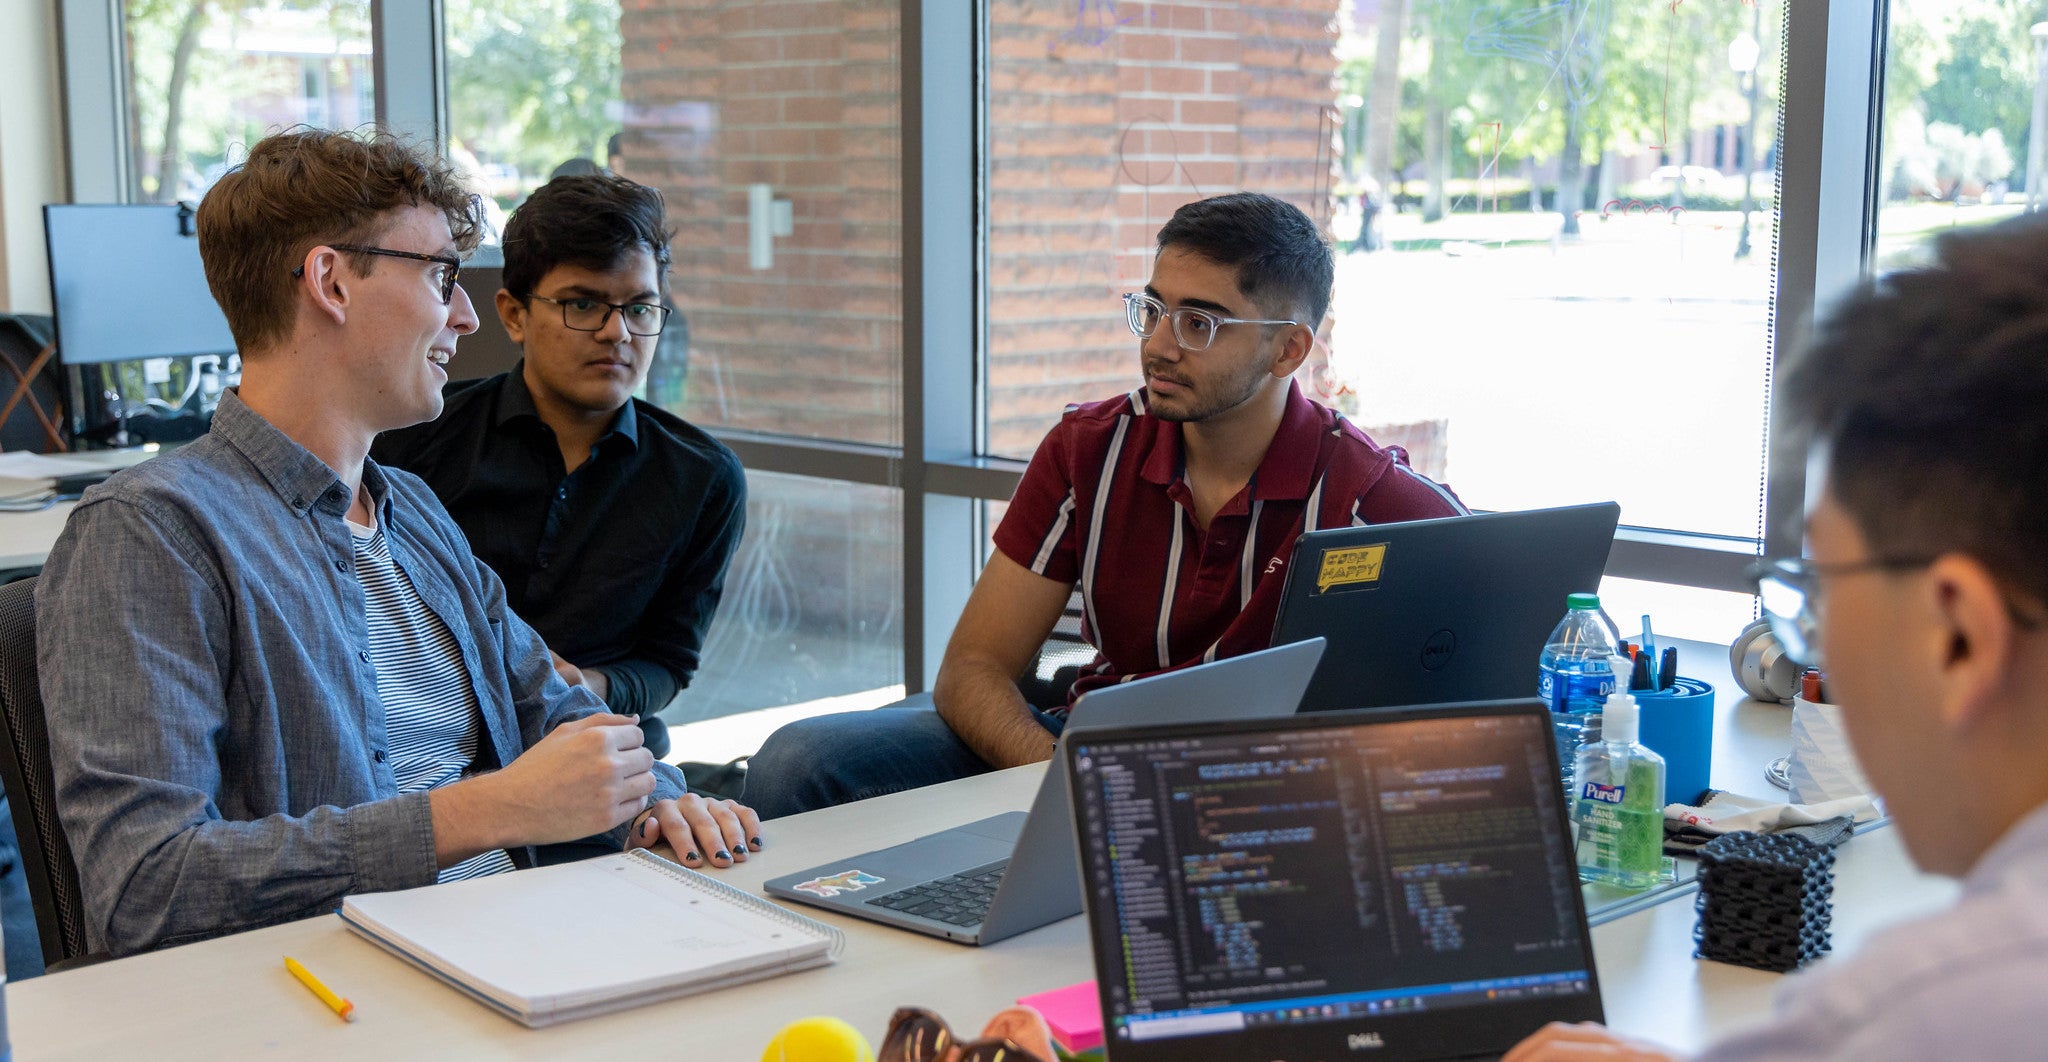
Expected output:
(610, 520)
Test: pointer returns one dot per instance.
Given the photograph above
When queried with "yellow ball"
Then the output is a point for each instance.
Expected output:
(818, 1039)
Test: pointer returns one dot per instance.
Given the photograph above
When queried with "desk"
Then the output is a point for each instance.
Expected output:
(26, 538)
(231, 998)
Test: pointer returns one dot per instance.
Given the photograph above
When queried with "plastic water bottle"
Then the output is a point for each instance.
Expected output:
(1575, 677)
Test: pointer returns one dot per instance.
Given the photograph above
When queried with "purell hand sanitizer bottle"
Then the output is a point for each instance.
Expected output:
(1620, 807)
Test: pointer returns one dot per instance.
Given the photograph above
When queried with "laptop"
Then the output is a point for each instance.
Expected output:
(1014, 872)
(1439, 611)
(1391, 883)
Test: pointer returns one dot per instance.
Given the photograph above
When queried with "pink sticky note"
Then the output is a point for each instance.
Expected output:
(1073, 1012)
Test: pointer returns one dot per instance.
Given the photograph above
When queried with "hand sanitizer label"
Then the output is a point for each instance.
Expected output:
(1604, 794)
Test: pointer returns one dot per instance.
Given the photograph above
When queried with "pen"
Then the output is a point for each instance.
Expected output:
(335, 1003)
(1667, 674)
(1641, 679)
(1650, 650)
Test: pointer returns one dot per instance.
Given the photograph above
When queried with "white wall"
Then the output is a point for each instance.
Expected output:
(31, 149)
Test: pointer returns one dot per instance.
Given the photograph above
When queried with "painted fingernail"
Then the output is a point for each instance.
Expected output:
(723, 855)
(691, 857)
(756, 842)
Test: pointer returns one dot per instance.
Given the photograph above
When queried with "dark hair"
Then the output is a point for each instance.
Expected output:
(1281, 259)
(1930, 388)
(305, 187)
(590, 220)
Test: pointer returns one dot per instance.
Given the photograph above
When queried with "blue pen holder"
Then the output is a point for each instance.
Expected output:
(1678, 724)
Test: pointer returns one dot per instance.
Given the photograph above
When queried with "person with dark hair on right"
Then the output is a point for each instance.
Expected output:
(610, 519)
(1925, 591)
(1174, 507)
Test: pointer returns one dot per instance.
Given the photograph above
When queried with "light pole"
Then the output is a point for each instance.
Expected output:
(1743, 54)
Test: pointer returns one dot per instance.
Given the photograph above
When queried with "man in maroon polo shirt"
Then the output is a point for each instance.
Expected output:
(1174, 508)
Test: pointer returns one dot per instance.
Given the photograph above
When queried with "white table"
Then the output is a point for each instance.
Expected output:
(231, 998)
(26, 538)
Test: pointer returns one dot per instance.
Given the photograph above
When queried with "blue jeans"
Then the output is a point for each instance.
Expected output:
(836, 759)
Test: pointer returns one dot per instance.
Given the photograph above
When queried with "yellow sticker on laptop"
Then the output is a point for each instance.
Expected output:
(1351, 566)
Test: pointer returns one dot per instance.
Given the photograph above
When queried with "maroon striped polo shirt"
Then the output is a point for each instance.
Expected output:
(1105, 504)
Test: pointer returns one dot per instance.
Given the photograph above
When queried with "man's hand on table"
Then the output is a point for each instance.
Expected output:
(694, 826)
(1559, 1042)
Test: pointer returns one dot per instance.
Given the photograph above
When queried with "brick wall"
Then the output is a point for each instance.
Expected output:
(801, 95)
(1104, 118)
(1104, 115)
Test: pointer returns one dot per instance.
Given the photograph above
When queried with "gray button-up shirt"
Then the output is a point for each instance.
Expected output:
(220, 753)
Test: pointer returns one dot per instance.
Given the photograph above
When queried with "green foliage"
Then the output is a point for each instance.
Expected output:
(212, 95)
(534, 84)
(1986, 82)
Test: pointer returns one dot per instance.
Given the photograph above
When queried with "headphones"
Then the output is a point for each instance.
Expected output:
(1761, 667)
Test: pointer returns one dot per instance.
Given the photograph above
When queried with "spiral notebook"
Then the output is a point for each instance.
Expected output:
(558, 943)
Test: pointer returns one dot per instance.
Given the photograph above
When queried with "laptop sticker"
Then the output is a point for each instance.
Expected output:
(1350, 568)
(845, 881)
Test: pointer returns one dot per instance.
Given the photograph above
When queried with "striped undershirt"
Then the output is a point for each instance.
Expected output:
(430, 711)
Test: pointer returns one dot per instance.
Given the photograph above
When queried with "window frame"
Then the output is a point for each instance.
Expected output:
(1834, 56)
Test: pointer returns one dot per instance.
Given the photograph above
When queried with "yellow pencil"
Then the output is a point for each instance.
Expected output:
(335, 1003)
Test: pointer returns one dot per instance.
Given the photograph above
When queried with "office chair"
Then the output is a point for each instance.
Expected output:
(32, 788)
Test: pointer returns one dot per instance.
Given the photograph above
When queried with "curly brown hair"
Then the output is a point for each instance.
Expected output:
(304, 187)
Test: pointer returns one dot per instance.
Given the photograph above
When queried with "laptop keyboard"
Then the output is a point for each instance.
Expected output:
(957, 899)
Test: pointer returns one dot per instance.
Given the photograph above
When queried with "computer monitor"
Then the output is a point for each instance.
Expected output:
(126, 283)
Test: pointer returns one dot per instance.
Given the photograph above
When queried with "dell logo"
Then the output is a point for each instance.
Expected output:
(1365, 1041)
(1438, 649)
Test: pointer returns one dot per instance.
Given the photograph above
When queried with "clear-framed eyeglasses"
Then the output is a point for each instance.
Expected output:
(584, 314)
(1789, 589)
(1193, 329)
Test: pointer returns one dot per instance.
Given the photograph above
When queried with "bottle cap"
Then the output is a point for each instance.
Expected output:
(1618, 719)
(1582, 602)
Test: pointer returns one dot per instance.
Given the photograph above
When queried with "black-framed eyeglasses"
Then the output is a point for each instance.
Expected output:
(585, 314)
(450, 266)
(1193, 329)
(1789, 588)
(917, 1035)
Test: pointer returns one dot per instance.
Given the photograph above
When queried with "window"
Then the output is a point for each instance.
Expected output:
(813, 602)
(533, 89)
(772, 132)
(1958, 134)
(1554, 224)
(205, 80)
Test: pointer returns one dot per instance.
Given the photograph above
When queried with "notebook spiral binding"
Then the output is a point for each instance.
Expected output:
(772, 911)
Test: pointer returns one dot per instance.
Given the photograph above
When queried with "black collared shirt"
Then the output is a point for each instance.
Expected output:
(619, 564)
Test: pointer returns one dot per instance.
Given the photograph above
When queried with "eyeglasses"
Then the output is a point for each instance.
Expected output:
(589, 315)
(450, 266)
(917, 1035)
(1193, 329)
(1790, 591)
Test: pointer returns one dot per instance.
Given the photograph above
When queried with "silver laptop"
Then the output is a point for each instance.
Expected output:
(1384, 883)
(960, 883)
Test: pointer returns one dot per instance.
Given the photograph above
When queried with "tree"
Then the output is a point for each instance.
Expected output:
(534, 89)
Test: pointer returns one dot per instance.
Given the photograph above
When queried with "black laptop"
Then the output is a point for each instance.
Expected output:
(1438, 611)
(1385, 884)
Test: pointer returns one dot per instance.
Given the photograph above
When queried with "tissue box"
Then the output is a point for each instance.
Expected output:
(1822, 766)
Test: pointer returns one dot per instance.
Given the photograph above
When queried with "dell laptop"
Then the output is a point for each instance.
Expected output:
(1005, 875)
(1439, 611)
(1389, 883)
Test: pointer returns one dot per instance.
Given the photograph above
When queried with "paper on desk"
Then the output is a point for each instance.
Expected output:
(21, 464)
